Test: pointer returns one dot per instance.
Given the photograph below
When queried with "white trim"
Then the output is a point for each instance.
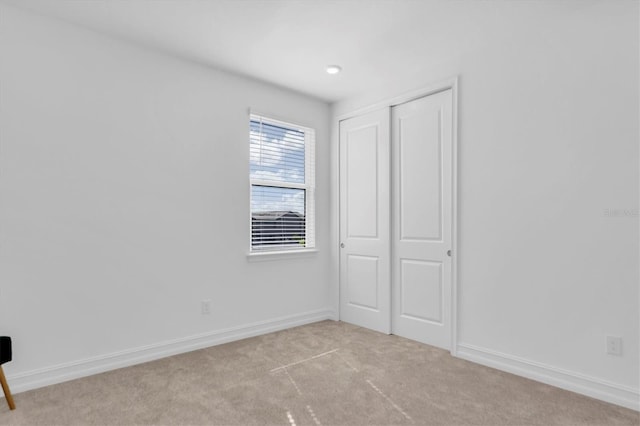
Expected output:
(455, 217)
(310, 191)
(447, 84)
(334, 219)
(256, 256)
(569, 380)
(280, 120)
(73, 370)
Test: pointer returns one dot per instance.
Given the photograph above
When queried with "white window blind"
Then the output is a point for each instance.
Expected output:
(282, 175)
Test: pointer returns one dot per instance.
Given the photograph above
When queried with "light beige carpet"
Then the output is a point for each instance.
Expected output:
(328, 373)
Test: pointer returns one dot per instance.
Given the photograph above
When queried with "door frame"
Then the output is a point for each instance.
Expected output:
(452, 84)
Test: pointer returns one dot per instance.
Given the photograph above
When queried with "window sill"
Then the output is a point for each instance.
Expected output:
(280, 255)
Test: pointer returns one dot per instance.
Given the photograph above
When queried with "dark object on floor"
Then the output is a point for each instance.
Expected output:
(5, 356)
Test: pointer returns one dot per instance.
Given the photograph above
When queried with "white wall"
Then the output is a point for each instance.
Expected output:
(548, 141)
(124, 198)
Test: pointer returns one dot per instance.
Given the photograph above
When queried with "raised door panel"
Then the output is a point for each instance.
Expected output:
(421, 290)
(420, 174)
(362, 279)
(362, 182)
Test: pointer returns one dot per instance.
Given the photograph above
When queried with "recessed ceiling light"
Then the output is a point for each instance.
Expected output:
(333, 69)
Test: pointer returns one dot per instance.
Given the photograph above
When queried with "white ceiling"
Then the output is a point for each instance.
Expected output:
(290, 42)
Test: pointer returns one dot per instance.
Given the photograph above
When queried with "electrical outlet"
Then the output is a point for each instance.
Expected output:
(206, 307)
(614, 345)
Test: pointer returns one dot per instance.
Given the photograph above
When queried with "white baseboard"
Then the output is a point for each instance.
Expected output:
(596, 388)
(34, 379)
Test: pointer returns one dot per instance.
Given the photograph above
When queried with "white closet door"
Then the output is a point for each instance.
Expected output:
(365, 288)
(422, 219)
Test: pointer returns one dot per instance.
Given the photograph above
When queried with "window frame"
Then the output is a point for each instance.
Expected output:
(279, 251)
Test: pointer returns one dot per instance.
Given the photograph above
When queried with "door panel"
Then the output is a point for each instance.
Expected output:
(422, 218)
(362, 276)
(421, 290)
(365, 287)
(362, 192)
(420, 197)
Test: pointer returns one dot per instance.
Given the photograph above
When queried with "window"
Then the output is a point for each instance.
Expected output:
(282, 175)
